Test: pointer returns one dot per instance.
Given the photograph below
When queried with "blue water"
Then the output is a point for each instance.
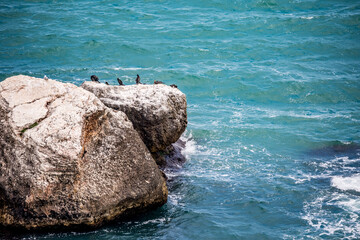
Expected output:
(273, 91)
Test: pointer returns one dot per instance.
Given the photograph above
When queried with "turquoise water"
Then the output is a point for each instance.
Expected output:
(273, 90)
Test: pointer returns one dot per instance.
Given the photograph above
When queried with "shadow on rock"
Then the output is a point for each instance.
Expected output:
(171, 158)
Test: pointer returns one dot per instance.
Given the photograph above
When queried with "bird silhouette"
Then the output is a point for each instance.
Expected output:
(120, 82)
(137, 79)
(94, 78)
(158, 82)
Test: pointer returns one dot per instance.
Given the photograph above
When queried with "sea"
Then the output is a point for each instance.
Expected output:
(273, 94)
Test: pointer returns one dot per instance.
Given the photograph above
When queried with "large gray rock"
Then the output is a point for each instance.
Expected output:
(158, 112)
(68, 160)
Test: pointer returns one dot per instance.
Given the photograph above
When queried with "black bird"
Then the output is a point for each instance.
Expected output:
(120, 82)
(94, 78)
(173, 85)
(158, 82)
(106, 83)
(137, 79)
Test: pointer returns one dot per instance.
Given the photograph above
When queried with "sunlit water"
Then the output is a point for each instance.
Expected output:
(273, 105)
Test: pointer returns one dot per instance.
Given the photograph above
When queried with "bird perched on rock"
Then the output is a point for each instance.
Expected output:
(173, 85)
(137, 79)
(120, 82)
(94, 78)
(106, 83)
(45, 77)
(158, 82)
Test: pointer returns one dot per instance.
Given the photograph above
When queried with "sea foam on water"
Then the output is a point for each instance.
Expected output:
(347, 183)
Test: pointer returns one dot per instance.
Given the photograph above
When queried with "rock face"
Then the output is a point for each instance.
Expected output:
(66, 160)
(158, 112)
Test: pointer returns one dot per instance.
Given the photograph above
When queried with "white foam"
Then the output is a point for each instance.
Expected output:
(328, 223)
(347, 183)
(190, 146)
(129, 68)
(307, 18)
(352, 205)
(203, 49)
(175, 199)
(155, 221)
(343, 163)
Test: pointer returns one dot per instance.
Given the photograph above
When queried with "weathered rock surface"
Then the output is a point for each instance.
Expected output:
(158, 112)
(68, 160)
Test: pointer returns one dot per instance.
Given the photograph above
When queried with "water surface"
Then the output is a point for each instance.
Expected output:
(273, 105)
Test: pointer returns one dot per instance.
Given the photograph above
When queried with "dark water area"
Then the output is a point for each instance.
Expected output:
(273, 91)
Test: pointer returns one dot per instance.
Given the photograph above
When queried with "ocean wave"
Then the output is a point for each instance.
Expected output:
(190, 148)
(334, 211)
(130, 68)
(326, 221)
(309, 18)
(347, 183)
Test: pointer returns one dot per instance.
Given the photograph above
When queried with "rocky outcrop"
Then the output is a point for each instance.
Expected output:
(67, 160)
(158, 112)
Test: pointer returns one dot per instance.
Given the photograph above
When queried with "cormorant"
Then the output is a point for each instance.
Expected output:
(94, 78)
(120, 82)
(106, 83)
(158, 82)
(173, 85)
(137, 79)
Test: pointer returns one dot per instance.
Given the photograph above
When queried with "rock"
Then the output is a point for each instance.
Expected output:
(67, 160)
(171, 157)
(158, 112)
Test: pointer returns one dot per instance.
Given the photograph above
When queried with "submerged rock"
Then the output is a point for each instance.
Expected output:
(67, 160)
(336, 148)
(158, 112)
